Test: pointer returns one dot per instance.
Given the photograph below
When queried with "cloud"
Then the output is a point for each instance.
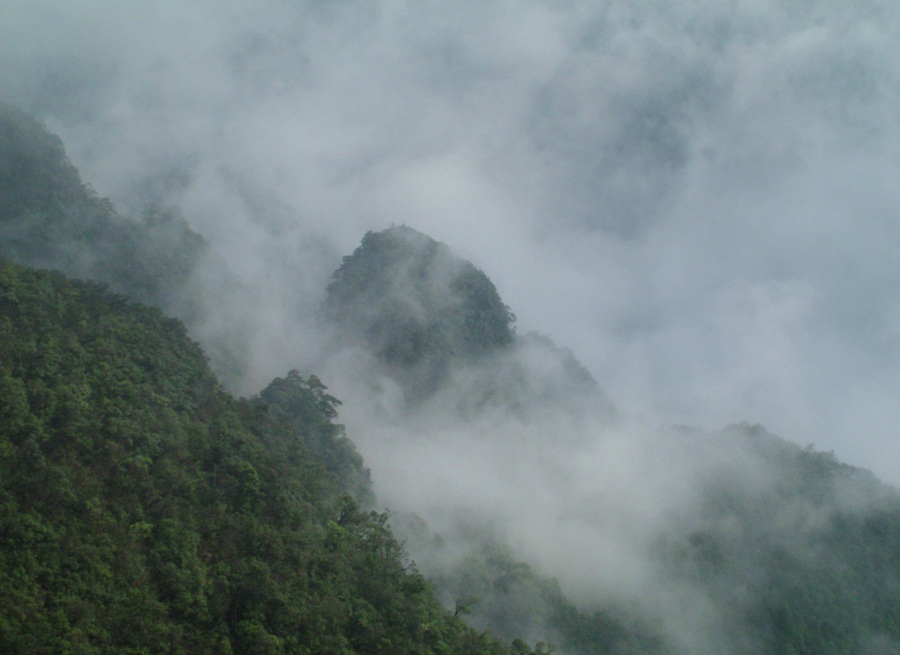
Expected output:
(688, 188)
(698, 198)
(627, 173)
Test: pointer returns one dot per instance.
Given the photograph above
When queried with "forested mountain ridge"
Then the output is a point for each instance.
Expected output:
(417, 307)
(144, 510)
(409, 296)
(782, 549)
(436, 323)
(49, 218)
(304, 403)
(799, 554)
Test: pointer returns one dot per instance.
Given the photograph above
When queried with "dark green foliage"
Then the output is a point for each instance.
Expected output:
(808, 563)
(508, 598)
(144, 510)
(416, 306)
(50, 219)
(484, 322)
(304, 403)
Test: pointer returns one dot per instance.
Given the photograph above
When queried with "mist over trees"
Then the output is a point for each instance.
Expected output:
(694, 197)
(408, 296)
(49, 218)
(146, 509)
(436, 324)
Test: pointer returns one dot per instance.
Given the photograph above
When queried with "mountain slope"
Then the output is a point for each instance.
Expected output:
(145, 510)
(798, 553)
(50, 219)
(754, 545)
(416, 306)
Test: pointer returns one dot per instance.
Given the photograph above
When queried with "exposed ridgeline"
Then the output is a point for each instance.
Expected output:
(145, 510)
(50, 219)
(435, 322)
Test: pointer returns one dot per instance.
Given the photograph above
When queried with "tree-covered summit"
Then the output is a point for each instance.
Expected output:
(411, 300)
(436, 323)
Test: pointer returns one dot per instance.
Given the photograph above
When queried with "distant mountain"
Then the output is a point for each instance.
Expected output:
(437, 323)
(797, 551)
(793, 551)
(782, 550)
(416, 306)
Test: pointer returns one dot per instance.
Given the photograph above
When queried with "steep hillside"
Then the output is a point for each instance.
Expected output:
(49, 218)
(779, 549)
(309, 410)
(144, 510)
(755, 545)
(796, 550)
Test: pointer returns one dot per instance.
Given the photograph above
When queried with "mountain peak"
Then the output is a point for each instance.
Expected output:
(414, 304)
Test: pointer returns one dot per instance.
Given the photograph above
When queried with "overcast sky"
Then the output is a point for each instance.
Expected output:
(700, 198)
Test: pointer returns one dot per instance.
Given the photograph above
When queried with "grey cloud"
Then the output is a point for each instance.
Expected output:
(698, 198)
(616, 167)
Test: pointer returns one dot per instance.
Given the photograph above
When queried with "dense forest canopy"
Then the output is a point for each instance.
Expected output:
(146, 509)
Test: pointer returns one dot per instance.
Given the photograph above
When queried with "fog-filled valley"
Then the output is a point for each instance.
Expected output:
(597, 301)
